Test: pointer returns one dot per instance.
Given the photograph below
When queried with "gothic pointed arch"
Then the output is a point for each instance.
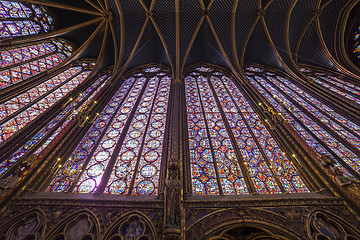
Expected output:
(323, 224)
(124, 149)
(81, 224)
(238, 223)
(30, 224)
(231, 151)
(131, 225)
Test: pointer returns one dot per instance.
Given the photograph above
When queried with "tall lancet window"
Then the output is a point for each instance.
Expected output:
(356, 42)
(19, 111)
(123, 150)
(342, 85)
(42, 138)
(21, 19)
(231, 151)
(326, 131)
(23, 62)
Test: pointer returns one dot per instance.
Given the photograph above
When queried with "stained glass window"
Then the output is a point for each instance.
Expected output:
(21, 19)
(20, 111)
(23, 62)
(231, 151)
(40, 140)
(341, 85)
(356, 42)
(122, 151)
(326, 131)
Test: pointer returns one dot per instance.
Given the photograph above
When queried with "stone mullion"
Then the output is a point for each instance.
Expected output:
(256, 141)
(350, 169)
(119, 144)
(79, 132)
(312, 184)
(254, 97)
(170, 144)
(185, 151)
(210, 141)
(14, 114)
(330, 131)
(237, 151)
(136, 167)
(109, 93)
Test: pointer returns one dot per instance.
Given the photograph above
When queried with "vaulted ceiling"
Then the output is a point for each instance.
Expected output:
(177, 33)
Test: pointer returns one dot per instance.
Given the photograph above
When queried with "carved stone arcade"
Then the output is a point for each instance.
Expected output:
(41, 216)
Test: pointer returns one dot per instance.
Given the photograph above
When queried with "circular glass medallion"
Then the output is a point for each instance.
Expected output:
(94, 133)
(159, 110)
(155, 133)
(117, 187)
(143, 110)
(135, 134)
(127, 156)
(87, 186)
(71, 169)
(148, 171)
(157, 124)
(102, 156)
(129, 103)
(153, 144)
(160, 104)
(121, 117)
(117, 125)
(95, 170)
(105, 117)
(99, 125)
(108, 143)
(113, 104)
(109, 110)
(113, 133)
(141, 117)
(158, 117)
(80, 155)
(145, 104)
(125, 110)
(138, 125)
(88, 144)
(132, 144)
(60, 186)
(145, 187)
(151, 156)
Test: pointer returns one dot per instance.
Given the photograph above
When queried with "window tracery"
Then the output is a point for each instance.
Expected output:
(326, 131)
(23, 62)
(122, 151)
(231, 151)
(21, 19)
